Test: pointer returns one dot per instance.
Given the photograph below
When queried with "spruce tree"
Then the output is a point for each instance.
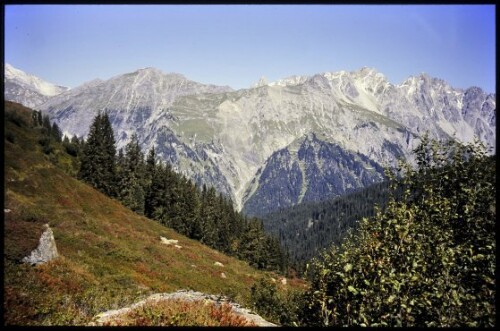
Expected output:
(46, 124)
(208, 218)
(98, 163)
(56, 133)
(150, 175)
(37, 118)
(222, 224)
(192, 202)
(131, 182)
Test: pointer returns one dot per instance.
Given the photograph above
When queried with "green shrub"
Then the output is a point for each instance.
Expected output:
(428, 260)
(279, 308)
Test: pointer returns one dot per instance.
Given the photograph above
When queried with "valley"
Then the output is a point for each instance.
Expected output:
(226, 138)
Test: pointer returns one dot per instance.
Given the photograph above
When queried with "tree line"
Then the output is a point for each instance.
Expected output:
(306, 229)
(153, 189)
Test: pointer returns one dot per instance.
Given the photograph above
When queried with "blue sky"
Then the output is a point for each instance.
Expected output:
(236, 45)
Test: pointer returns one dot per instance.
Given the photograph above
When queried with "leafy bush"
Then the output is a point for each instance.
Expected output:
(277, 307)
(428, 260)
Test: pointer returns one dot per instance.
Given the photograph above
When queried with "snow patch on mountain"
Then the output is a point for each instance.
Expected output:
(28, 89)
(41, 86)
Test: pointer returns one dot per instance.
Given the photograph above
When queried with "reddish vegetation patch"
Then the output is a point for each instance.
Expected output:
(181, 313)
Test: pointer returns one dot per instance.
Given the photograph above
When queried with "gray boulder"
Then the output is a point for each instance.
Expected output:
(46, 250)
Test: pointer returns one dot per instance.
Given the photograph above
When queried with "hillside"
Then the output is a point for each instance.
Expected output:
(109, 256)
(308, 228)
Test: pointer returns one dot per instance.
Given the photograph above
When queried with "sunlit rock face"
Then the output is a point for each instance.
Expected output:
(279, 143)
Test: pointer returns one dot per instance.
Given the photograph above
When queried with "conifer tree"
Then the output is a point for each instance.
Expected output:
(98, 163)
(150, 176)
(46, 124)
(131, 182)
(192, 202)
(252, 243)
(56, 133)
(208, 218)
(222, 224)
(150, 165)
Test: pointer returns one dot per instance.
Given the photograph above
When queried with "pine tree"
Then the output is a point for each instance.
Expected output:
(222, 224)
(150, 176)
(208, 218)
(56, 133)
(131, 182)
(46, 124)
(98, 163)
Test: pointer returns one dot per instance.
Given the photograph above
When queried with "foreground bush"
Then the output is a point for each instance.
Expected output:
(428, 260)
(280, 307)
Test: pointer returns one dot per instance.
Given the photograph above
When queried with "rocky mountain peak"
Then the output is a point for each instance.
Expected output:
(223, 138)
(262, 82)
(28, 89)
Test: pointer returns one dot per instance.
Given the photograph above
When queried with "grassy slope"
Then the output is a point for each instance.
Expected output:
(110, 257)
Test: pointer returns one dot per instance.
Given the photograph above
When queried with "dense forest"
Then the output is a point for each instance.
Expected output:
(151, 188)
(305, 229)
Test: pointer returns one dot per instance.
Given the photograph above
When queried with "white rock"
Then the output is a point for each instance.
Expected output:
(168, 241)
(218, 264)
(7, 210)
(223, 275)
(178, 246)
(283, 281)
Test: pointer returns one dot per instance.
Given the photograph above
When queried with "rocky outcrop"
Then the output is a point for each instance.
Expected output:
(113, 315)
(307, 170)
(46, 250)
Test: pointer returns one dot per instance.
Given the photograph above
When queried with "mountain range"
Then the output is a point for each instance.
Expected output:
(28, 89)
(276, 144)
